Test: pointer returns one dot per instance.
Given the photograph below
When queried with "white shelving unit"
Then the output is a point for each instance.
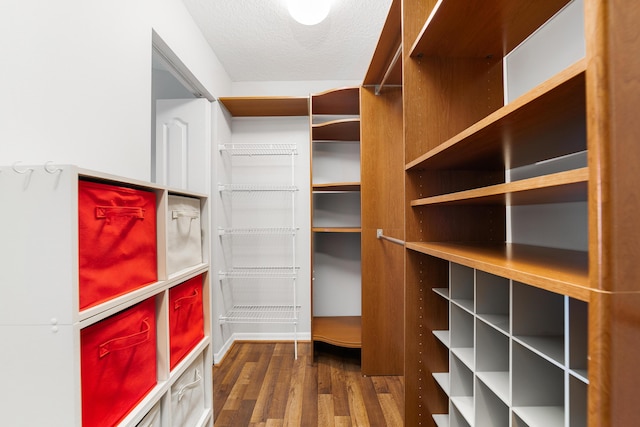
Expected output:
(517, 353)
(42, 324)
(259, 240)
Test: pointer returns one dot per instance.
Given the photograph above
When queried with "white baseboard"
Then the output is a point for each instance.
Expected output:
(281, 336)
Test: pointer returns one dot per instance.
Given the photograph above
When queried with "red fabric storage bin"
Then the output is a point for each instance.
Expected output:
(118, 364)
(186, 321)
(117, 241)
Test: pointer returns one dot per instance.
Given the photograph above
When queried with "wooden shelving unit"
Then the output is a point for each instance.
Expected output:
(266, 106)
(478, 161)
(335, 207)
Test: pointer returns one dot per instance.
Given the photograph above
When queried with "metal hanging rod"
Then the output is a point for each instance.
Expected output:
(381, 236)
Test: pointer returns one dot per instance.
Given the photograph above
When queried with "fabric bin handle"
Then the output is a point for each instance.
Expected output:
(119, 211)
(185, 214)
(128, 341)
(178, 303)
(186, 387)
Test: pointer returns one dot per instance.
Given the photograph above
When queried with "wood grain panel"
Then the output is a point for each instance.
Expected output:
(266, 106)
(444, 96)
(424, 353)
(483, 29)
(382, 199)
(337, 130)
(613, 90)
(344, 331)
(388, 43)
(340, 101)
(382, 156)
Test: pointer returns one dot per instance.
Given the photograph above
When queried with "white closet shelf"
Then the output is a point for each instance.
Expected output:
(256, 188)
(260, 273)
(261, 314)
(259, 149)
(258, 231)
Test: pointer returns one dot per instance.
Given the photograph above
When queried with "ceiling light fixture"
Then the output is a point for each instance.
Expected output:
(309, 12)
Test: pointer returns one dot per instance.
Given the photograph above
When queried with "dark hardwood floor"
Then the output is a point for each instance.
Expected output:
(261, 384)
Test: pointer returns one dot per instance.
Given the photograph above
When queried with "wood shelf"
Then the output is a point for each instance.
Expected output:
(386, 66)
(266, 106)
(343, 331)
(512, 136)
(337, 130)
(557, 270)
(490, 30)
(336, 186)
(341, 101)
(562, 187)
(336, 229)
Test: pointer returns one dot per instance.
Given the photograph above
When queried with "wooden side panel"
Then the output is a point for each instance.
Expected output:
(444, 96)
(424, 354)
(613, 90)
(382, 198)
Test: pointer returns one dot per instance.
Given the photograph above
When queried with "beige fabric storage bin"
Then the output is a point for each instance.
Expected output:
(153, 417)
(187, 396)
(184, 233)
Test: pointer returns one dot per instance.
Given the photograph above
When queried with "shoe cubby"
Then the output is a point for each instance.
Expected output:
(492, 360)
(492, 300)
(462, 339)
(517, 353)
(491, 411)
(461, 388)
(538, 321)
(461, 286)
(538, 388)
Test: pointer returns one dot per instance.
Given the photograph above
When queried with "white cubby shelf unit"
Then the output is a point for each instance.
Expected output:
(516, 352)
(258, 237)
(40, 317)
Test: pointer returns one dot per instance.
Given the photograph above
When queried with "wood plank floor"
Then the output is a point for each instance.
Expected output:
(261, 384)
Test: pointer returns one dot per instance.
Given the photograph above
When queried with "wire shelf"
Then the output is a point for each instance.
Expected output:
(259, 149)
(262, 314)
(250, 188)
(258, 231)
(260, 273)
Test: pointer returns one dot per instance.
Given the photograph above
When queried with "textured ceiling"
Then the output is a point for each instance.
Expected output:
(257, 40)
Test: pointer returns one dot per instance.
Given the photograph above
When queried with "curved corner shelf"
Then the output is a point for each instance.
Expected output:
(340, 101)
(343, 331)
(336, 229)
(336, 186)
(337, 130)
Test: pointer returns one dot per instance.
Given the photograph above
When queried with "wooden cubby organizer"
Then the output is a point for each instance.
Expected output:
(336, 217)
(40, 316)
(518, 145)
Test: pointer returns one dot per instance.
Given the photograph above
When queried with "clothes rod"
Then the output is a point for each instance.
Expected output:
(387, 73)
(380, 235)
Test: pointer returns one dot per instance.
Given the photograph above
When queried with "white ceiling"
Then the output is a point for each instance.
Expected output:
(257, 40)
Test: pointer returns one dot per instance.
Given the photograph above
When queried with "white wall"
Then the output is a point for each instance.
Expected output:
(288, 88)
(76, 79)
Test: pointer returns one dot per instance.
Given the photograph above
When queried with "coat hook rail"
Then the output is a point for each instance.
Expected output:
(380, 235)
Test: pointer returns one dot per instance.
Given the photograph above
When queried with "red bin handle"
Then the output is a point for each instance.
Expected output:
(178, 302)
(128, 341)
(119, 211)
